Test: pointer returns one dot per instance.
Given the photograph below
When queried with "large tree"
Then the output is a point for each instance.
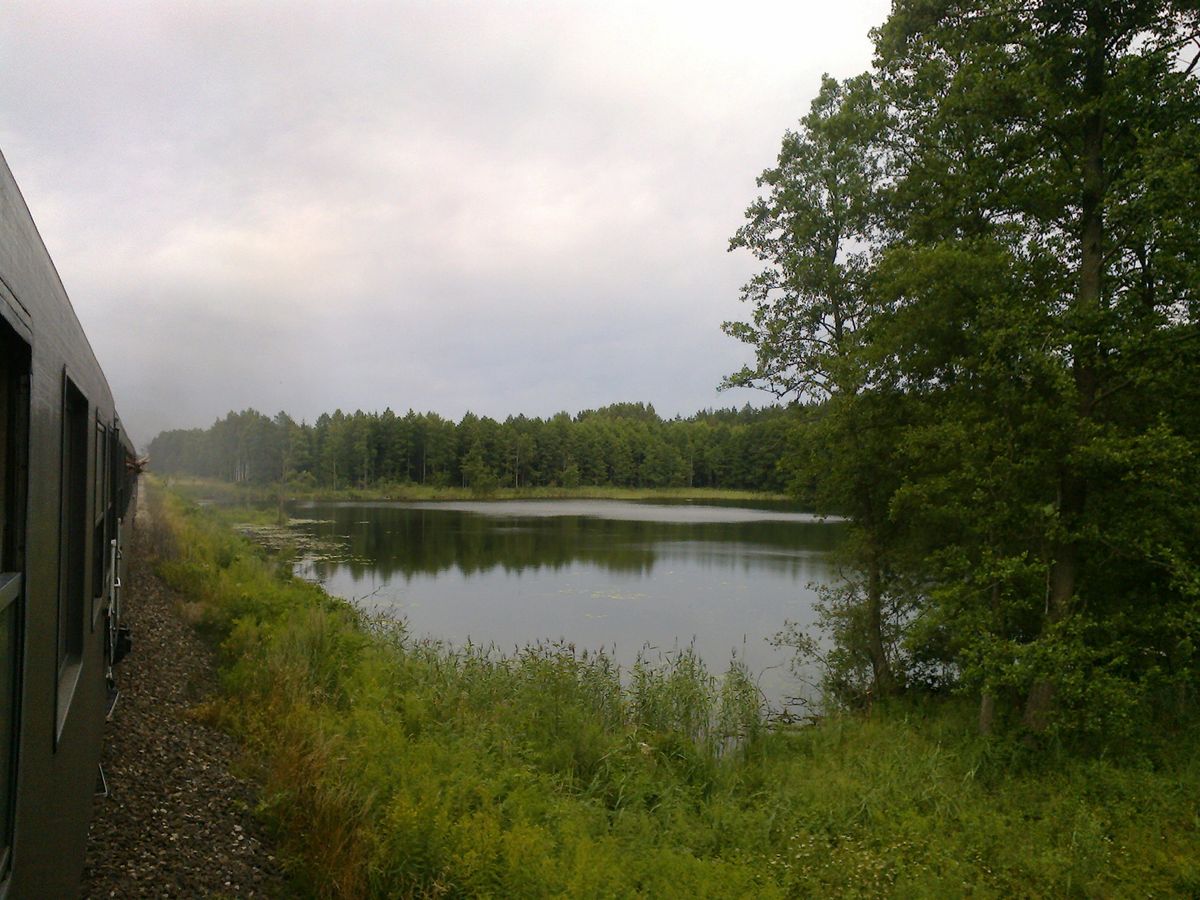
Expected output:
(1044, 286)
(817, 229)
(982, 260)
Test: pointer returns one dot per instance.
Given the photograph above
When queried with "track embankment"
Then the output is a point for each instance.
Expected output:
(178, 821)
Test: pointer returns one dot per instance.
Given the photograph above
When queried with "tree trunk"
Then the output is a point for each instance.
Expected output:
(987, 700)
(1085, 349)
(987, 713)
(885, 682)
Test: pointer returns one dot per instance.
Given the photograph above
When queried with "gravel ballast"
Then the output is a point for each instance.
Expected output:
(177, 822)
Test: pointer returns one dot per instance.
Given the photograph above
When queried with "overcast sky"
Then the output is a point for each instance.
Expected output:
(500, 207)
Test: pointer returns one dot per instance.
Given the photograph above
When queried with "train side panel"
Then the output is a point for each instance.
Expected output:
(60, 699)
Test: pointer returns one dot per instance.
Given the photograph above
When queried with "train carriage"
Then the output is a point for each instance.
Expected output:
(65, 488)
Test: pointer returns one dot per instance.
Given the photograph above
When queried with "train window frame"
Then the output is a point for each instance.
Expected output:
(116, 466)
(74, 497)
(14, 314)
(99, 520)
(15, 379)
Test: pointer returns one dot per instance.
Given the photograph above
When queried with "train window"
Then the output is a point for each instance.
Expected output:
(116, 465)
(73, 549)
(99, 538)
(14, 432)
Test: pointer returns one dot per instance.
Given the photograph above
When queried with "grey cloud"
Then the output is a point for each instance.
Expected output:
(505, 207)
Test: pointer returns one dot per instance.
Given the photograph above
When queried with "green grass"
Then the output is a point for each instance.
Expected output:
(255, 493)
(393, 767)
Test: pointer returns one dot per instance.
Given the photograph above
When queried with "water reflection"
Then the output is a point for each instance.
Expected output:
(618, 575)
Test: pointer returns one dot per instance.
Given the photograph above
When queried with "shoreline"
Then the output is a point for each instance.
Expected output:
(195, 487)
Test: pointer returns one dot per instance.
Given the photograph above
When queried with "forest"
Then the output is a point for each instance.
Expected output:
(621, 445)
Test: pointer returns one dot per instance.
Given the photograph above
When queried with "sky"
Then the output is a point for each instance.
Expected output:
(501, 207)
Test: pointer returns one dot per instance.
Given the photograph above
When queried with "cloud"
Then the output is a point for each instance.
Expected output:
(505, 207)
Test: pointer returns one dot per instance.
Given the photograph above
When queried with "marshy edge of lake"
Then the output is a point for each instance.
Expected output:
(392, 766)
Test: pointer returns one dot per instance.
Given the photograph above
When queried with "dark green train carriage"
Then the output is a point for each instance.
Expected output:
(67, 476)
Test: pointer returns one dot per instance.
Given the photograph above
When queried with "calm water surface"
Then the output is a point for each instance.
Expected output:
(627, 577)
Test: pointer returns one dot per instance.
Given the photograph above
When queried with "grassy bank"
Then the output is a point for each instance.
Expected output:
(247, 493)
(394, 767)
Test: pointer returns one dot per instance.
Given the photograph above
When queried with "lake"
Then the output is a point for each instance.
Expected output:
(626, 577)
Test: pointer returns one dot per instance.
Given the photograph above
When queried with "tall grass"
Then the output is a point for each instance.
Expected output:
(396, 767)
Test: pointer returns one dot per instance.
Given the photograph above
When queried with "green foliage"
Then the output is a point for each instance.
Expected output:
(571, 476)
(1034, 297)
(626, 445)
(397, 767)
(477, 474)
(973, 257)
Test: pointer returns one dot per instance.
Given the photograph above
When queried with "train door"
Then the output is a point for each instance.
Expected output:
(14, 448)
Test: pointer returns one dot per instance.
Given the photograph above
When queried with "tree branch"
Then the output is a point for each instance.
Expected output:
(1195, 59)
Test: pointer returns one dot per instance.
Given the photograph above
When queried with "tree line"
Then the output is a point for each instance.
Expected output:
(981, 258)
(622, 445)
